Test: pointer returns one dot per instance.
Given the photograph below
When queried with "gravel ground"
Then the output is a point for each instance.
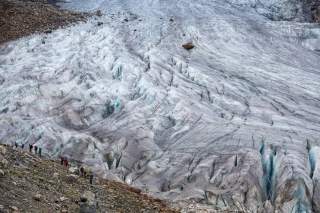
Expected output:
(23, 17)
(31, 184)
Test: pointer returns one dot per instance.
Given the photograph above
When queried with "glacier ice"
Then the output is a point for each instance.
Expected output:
(225, 124)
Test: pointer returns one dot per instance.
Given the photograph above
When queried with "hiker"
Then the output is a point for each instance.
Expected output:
(30, 147)
(62, 160)
(16, 144)
(66, 163)
(22, 146)
(91, 178)
(84, 172)
(35, 149)
(81, 171)
(40, 150)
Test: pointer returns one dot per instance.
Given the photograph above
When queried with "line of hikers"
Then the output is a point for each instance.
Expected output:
(83, 172)
(37, 150)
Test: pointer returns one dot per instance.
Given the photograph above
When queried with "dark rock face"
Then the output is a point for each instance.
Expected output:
(315, 11)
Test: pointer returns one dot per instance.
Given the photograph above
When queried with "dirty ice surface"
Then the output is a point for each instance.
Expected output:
(232, 124)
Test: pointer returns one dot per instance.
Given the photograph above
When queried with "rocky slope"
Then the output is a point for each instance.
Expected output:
(31, 184)
(23, 17)
(232, 124)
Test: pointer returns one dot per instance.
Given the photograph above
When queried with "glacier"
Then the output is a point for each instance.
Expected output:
(233, 124)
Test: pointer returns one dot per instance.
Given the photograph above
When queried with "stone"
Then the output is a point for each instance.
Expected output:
(188, 46)
(88, 196)
(1, 173)
(56, 175)
(14, 208)
(61, 199)
(72, 178)
(83, 199)
(88, 202)
(3, 162)
(3, 150)
(37, 197)
(86, 208)
(74, 170)
(48, 31)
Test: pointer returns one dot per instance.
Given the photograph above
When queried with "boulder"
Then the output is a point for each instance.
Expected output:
(188, 46)
(88, 196)
(88, 202)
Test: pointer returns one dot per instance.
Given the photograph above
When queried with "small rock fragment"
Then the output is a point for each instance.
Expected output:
(72, 178)
(37, 197)
(56, 175)
(63, 199)
(3, 162)
(1, 173)
(14, 208)
(74, 170)
(48, 31)
(3, 150)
